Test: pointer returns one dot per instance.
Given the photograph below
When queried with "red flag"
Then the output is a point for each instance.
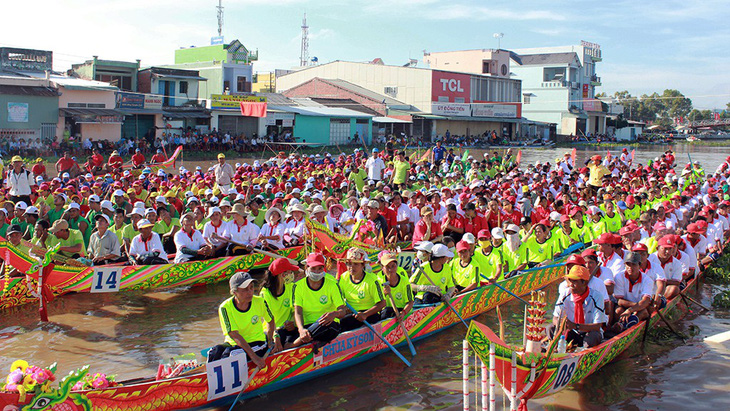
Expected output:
(608, 155)
(573, 155)
(519, 157)
(253, 109)
(633, 153)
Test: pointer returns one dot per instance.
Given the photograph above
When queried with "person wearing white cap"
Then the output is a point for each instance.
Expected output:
(433, 281)
(213, 230)
(296, 226)
(107, 208)
(31, 216)
(94, 208)
(104, 245)
(76, 222)
(272, 232)
(146, 248)
(120, 201)
(131, 230)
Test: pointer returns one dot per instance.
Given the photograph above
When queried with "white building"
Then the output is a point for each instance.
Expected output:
(559, 86)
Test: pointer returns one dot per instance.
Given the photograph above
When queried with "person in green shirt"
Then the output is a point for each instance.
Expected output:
(318, 304)
(537, 248)
(597, 225)
(71, 241)
(76, 222)
(3, 224)
(40, 234)
(612, 218)
(243, 318)
(433, 282)
(562, 234)
(57, 211)
(278, 294)
(94, 208)
(130, 230)
(259, 215)
(396, 286)
(166, 226)
(400, 169)
(361, 290)
(466, 269)
(359, 175)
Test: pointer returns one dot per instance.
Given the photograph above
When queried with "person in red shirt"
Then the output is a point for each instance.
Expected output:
(138, 159)
(509, 213)
(39, 169)
(115, 161)
(97, 162)
(158, 158)
(427, 229)
(452, 223)
(391, 217)
(494, 215)
(472, 221)
(66, 164)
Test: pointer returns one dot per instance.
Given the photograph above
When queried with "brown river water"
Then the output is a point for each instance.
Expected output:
(130, 334)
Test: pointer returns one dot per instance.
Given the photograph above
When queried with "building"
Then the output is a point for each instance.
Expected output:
(121, 74)
(441, 101)
(489, 62)
(178, 91)
(559, 86)
(28, 104)
(87, 109)
(264, 82)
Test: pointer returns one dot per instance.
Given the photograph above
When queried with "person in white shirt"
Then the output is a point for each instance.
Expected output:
(583, 308)
(633, 291)
(671, 266)
(348, 217)
(296, 225)
(609, 246)
(213, 230)
(19, 181)
(375, 167)
(189, 242)
(240, 233)
(146, 247)
(223, 172)
(271, 236)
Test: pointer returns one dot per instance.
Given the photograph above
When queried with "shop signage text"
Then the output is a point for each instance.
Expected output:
(450, 87)
(226, 101)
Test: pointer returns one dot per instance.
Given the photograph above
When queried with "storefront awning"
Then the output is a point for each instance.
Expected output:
(390, 120)
(180, 77)
(181, 115)
(93, 115)
(132, 111)
(430, 116)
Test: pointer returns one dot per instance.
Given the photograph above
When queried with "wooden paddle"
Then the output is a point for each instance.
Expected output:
(448, 304)
(258, 250)
(403, 327)
(379, 335)
(266, 355)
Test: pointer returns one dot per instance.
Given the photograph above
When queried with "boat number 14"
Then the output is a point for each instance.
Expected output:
(106, 279)
(226, 376)
(565, 373)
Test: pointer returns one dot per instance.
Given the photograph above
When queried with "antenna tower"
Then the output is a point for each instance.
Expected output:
(304, 56)
(220, 17)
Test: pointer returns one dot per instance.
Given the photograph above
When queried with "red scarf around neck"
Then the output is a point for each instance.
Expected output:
(579, 299)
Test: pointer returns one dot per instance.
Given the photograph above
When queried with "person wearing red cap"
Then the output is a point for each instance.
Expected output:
(610, 252)
(583, 308)
(493, 256)
(563, 234)
(696, 240)
(278, 294)
(466, 270)
(671, 266)
(318, 304)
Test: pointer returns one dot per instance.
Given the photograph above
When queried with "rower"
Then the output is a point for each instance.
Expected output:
(103, 244)
(670, 265)
(190, 244)
(239, 232)
(278, 294)
(362, 290)
(146, 247)
(241, 318)
(633, 291)
(610, 252)
(437, 270)
(395, 282)
(651, 267)
(71, 241)
(318, 304)
(582, 307)
(491, 255)
(537, 248)
(15, 237)
(465, 268)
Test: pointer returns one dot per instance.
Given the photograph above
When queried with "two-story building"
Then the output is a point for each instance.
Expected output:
(179, 93)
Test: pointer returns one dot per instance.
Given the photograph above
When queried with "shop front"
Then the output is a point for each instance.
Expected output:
(142, 115)
(227, 116)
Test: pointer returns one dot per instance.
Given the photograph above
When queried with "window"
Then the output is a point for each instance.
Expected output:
(553, 74)
(240, 84)
(96, 105)
(486, 66)
(391, 91)
(183, 87)
(340, 131)
(525, 99)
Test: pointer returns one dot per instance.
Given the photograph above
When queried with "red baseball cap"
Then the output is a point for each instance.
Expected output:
(667, 241)
(484, 234)
(462, 245)
(608, 238)
(640, 247)
(591, 252)
(281, 265)
(315, 260)
(575, 259)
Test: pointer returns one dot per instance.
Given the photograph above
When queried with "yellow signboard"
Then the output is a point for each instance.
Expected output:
(233, 102)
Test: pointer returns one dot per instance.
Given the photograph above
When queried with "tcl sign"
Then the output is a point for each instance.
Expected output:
(450, 87)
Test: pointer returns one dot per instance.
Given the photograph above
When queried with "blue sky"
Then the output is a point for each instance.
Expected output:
(647, 45)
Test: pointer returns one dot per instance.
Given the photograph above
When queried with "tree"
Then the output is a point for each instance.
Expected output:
(601, 95)
(675, 104)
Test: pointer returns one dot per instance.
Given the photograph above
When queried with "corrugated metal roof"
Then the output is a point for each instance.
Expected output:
(390, 101)
(322, 111)
(276, 98)
(346, 103)
(88, 112)
(28, 91)
(547, 58)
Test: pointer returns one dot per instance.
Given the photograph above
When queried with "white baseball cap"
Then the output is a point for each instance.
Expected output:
(440, 250)
(426, 246)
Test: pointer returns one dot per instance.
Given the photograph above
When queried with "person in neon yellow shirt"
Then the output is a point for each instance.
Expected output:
(493, 256)
(318, 304)
(433, 281)
(466, 269)
(362, 290)
(612, 218)
(242, 319)
(563, 235)
(400, 169)
(279, 294)
(395, 283)
(596, 225)
(537, 248)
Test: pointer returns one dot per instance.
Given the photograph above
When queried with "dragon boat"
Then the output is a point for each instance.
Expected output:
(218, 383)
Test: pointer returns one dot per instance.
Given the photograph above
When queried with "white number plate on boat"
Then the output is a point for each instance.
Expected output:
(405, 259)
(106, 279)
(227, 376)
(565, 373)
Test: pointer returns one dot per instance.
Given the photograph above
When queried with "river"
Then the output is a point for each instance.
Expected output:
(130, 334)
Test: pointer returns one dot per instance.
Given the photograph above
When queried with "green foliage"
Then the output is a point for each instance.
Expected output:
(655, 107)
(721, 299)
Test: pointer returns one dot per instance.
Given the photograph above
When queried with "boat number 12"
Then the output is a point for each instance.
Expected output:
(405, 259)
(106, 279)
(226, 376)
(565, 373)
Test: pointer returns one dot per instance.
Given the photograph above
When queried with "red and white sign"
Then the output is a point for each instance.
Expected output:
(451, 109)
(451, 87)
(592, 105)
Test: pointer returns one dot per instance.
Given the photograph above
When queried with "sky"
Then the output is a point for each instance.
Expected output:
(646, 45)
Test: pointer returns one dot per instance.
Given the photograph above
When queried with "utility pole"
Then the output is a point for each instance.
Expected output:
(304, 56)
(220, 17)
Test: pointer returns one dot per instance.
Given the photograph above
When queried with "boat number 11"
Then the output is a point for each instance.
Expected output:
(226, 376)
(106, 279)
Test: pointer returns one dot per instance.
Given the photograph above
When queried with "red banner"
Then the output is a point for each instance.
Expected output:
(450, 87)
(253, 109)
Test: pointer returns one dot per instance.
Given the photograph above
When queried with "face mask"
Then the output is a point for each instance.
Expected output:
(315, 276)
(289, 278)
(422, 255)
(484, 243)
